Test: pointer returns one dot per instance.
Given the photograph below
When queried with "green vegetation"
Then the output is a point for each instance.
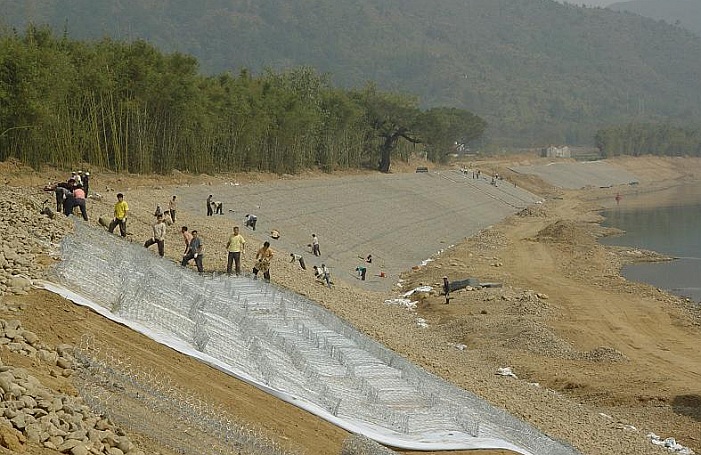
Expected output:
(537, 71)
(129, 107)
(649, 139)
(682, 13)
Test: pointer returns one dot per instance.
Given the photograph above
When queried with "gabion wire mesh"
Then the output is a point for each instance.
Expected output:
(142, 401)
(286, 342)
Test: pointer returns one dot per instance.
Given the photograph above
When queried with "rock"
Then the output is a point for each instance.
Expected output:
(12, 324)
(80, 449)
(12, 439)
(6, 381)
(9, 254)
(64, 363)
(55, 440)
(49, 357)
(78, 434)
(102, 424)
(19, 421)
(124, 444)
(33, 433)
(20, 283)
(68, 444)
(64, 350)
(30, 337)
(28, 401)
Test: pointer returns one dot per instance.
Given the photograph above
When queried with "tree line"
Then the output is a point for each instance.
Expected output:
(637, 139)
(129, 107)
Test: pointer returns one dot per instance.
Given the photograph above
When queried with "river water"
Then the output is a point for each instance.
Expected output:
(671, 228)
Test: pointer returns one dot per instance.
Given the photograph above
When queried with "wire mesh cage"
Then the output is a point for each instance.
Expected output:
(286, 342)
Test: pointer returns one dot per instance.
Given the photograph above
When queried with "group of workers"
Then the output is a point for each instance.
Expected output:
(72, 193)
(194, 244)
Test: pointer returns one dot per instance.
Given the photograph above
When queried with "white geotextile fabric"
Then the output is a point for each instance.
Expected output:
(287, 346)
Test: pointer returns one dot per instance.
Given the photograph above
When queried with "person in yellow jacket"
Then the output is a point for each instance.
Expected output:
(121, 210)
(236, 246)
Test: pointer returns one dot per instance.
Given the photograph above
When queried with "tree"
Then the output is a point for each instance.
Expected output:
(391, 117)
(394, 117)
(441, 128)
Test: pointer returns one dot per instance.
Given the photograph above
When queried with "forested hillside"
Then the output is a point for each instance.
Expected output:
(684, 13)
(538, 71)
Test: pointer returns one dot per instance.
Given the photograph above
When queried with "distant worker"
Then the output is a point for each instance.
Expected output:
(361, 270)
(446, 289)
(62, 190)
(159, 235)
(298, 258)
(121, 210)
(194, 251)
(172, 207)
(187, 237)
(218, 207)
(86, 183)
(210, 212)
(315, 246)
(235, 246)
(76, 199)
(263, 257)
(78, 180)
(250, 220)
(326, 275)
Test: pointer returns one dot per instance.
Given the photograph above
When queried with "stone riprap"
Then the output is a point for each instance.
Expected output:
(33, 413)
(401, 219)
(576, 175)
(27, 233)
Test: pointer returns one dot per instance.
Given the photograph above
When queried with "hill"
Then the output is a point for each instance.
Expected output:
(536, 70)
(684, 13)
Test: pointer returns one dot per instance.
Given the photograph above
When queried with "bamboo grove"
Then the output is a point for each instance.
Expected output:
(130, 108)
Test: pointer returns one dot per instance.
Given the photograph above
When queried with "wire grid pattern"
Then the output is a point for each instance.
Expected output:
(284, 341)
(142, 401)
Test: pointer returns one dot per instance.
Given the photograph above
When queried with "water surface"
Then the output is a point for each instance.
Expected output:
(671, 229)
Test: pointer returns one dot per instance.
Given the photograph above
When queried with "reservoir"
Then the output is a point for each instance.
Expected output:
(671, 228)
